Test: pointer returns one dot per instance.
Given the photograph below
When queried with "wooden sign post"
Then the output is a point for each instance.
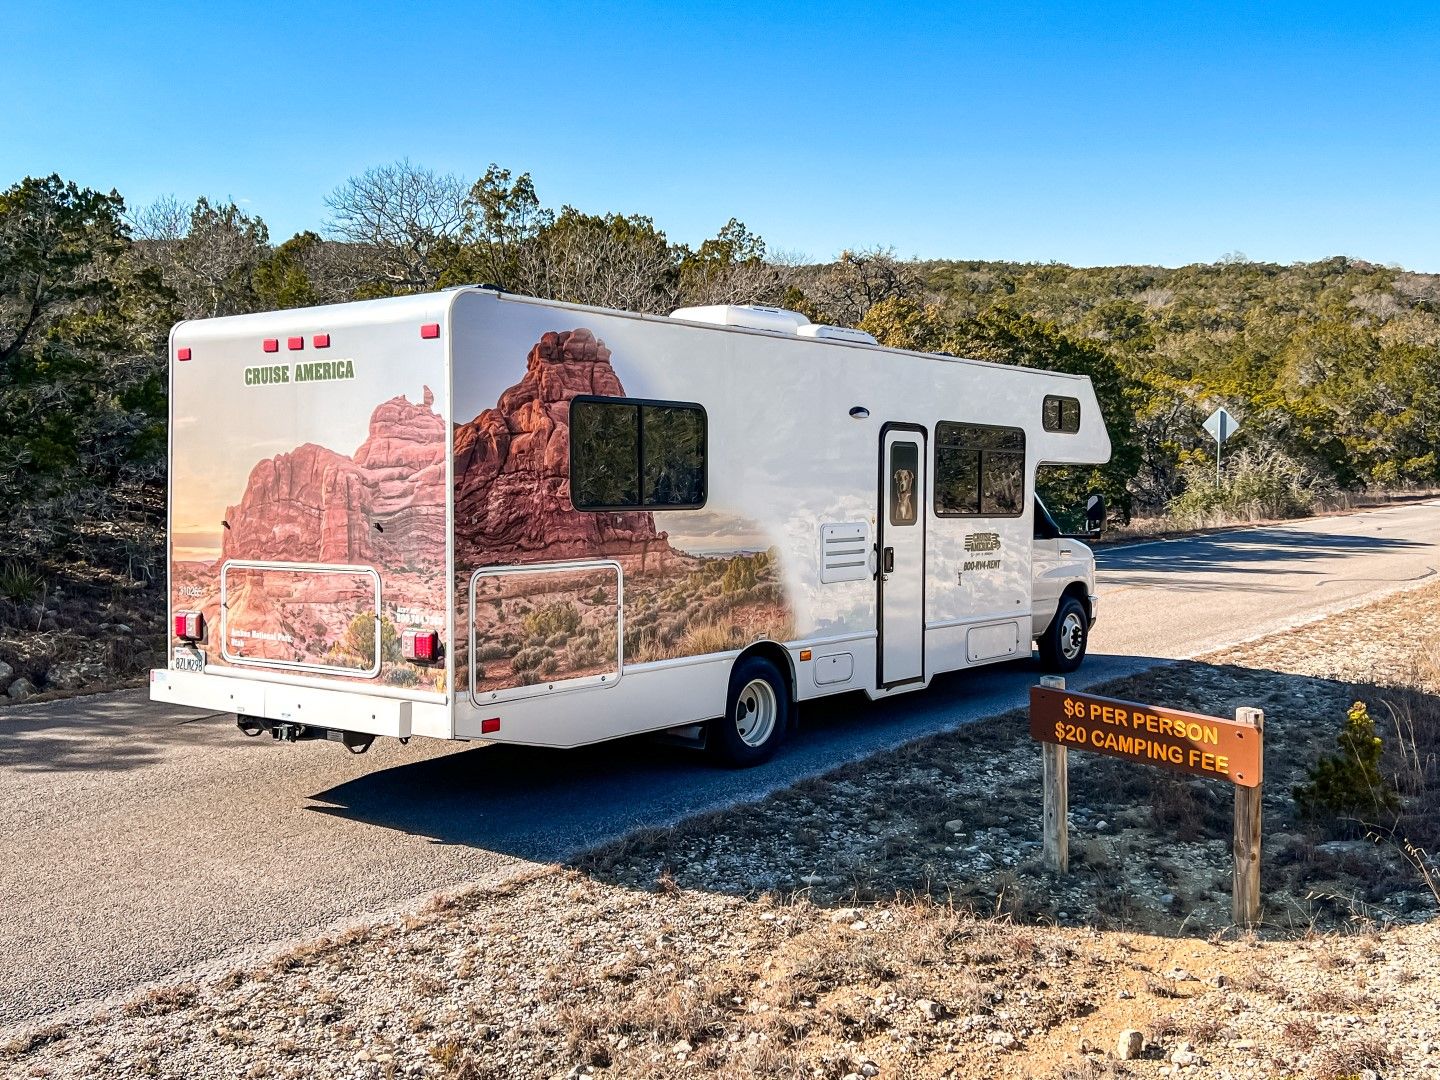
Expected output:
(1057, 796)
(1245, 895)
(1230, 750)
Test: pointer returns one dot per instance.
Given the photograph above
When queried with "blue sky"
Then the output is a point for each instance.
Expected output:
(1088, 134)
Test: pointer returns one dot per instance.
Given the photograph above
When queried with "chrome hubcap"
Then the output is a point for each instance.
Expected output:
(755, 713)
(1072, 635)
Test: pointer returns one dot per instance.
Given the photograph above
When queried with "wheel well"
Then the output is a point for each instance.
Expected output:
(777, 655)
(1078, 590)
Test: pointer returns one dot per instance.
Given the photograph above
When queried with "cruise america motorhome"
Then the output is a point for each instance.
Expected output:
(471, 515)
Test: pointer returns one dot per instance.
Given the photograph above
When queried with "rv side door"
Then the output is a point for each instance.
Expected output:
(904, 488)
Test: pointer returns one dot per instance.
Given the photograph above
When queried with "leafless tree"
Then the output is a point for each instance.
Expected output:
(404, 221)
(858, 280)
(751, 281)
(610, 261)
(166, 220)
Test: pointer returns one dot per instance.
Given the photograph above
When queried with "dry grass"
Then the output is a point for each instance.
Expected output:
(162, 1000)
(1346, 1060)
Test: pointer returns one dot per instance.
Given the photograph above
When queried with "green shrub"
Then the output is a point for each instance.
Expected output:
(491, 651)
(19, 582)
(531, 658)
(1349, 784)
(360, 639)
(1253, 486)
(561, 618)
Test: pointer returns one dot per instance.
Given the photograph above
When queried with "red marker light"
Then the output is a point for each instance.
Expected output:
(421, 646)
(296, 343)
(321, 341)
(189, 625)
(430, 330)
(490, 726)
(182, 354)
(272, 344)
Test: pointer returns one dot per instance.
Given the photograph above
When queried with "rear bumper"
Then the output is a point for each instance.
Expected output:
(1094, 608)
(339, 710)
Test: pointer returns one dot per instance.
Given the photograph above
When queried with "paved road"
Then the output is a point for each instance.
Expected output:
(137, 840)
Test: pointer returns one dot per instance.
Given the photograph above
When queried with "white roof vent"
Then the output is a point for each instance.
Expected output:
(751, 316)
(836, 333)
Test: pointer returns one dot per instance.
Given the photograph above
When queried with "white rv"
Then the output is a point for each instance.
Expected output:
(471, 515)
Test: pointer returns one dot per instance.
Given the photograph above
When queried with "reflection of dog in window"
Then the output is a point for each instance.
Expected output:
(904, 495)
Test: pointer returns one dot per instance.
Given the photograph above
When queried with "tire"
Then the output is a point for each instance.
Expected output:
(1062, 646)
(757, 715)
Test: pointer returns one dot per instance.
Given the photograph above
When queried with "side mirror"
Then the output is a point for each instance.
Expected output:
(1095, 514)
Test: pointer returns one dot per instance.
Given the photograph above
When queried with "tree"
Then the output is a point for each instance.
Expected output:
(503, 220)
(81, 359)
(406, 221)
(282, 278)
(859, 280)
(732, 267)
(607, 260)
(213, 265)
(1007, 336)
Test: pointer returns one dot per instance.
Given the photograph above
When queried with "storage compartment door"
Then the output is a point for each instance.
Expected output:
(302, 617)
(543, 629)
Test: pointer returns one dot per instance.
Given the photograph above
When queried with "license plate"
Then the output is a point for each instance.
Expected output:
(188, 658)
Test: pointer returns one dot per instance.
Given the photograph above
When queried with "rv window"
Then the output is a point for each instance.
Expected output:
(634, 455)
(979, 470)
(1061, 414)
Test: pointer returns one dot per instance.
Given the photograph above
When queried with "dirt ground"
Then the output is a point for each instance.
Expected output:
(892, 919)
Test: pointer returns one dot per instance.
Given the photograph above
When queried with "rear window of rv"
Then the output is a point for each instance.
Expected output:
(979, 470)
(1061, 414)
(627, 454)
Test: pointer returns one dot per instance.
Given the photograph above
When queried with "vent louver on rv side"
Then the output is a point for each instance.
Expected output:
(844, 552)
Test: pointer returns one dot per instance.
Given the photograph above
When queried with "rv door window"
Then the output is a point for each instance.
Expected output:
(627, 454)
(979, 470)
(904, 469)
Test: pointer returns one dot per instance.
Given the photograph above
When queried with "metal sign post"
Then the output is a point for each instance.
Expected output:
(1221, 426)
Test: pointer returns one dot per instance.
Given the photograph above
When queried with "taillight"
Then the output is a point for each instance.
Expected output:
(189, 625)
(421, 646)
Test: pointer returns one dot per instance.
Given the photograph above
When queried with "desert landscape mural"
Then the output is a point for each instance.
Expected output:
(513, 508)
(382, 506)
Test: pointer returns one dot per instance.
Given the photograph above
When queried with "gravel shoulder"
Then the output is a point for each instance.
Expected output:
(891, 919)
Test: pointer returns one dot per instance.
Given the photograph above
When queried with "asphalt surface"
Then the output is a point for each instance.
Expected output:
(138, 841)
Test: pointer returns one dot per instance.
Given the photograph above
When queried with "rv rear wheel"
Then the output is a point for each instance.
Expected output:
(1063, 645)
(757, 714)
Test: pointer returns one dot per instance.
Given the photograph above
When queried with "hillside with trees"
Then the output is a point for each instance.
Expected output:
(1330, 367)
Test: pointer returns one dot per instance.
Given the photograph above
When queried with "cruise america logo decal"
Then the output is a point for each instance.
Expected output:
(319, 371)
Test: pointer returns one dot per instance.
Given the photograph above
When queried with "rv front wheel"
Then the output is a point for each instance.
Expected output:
(1063, 645)
(757, 714)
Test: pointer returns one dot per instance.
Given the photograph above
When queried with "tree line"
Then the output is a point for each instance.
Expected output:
(1331, 367)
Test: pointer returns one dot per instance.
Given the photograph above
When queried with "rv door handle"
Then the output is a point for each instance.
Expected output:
(889, 560)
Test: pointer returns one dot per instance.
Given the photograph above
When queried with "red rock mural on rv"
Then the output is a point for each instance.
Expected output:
(513, 506)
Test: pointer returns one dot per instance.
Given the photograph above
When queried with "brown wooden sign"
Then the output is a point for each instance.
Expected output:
(1182, 741)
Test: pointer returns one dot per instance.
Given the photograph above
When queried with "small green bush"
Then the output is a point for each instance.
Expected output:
(1349, 784)
(531, 658)
(19, 582)
(561, 618)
